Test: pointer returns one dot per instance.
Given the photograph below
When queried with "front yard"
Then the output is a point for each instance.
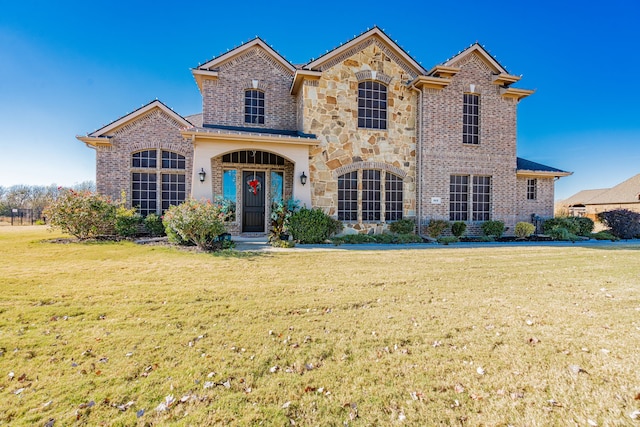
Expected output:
(126, 334)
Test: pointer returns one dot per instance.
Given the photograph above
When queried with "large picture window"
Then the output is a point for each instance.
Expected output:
(146, 175)
(469, 198)
(372, 105)
(381, 196)
(254, 106)
(471, 119)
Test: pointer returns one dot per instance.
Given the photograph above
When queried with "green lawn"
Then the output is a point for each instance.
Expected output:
(103, 333)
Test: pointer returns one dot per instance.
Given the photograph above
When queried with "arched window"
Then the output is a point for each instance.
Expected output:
(372, 105)
(254, 106)
(157, 185)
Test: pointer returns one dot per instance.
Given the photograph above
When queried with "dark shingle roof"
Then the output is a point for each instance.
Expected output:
(262, 130)
(528, 165)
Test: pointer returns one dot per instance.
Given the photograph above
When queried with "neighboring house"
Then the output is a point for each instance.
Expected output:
(590, 203)
(363, 132)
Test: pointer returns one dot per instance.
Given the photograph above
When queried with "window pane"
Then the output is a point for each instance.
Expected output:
(348, 197)
(393, 196)
(277, 187)
(229, 184)
(254, 106)
(143, 195)
(372, 104)
(470, 119)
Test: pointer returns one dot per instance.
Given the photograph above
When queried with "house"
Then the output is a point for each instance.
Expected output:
(590, 203)
(363, 132)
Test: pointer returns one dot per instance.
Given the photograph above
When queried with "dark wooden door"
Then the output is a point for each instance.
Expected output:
(253, 201)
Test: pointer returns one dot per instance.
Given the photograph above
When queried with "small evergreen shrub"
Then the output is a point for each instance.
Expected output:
(407, 238)
(447, 240)
(153, 225)
(580, 226)
(354, 239)
(524, 230)
(82, 214)
(458, 228)
(604, 235)
(436, 227)
(127, 221)
(622, 223)
(561, 233)
(193, 222)
(313, 226)
(493, 229)
(402, 226)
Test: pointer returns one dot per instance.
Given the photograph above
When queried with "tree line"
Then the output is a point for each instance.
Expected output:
(34, 197)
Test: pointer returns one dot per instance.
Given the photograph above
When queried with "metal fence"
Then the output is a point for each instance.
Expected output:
(19, 216)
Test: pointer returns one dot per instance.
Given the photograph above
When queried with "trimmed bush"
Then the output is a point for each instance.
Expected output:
(623, 223)
(447, 240)
(384, 238)
(82, 214)
(153, 225)
(561, 233)
(524, 230)
(580, 226)
(193, 222)
(458, 228)
(604, 235)
(127, 221)
(312, 226)
(436, 227)
(402, 226)
(493, 229)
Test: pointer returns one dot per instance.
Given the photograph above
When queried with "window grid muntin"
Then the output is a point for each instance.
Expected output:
(174, 189)
(253, 157)
(144, 192)
(254, 106)
(348, 196)
(171, 160)
(471, 119)
(371, 206)
(145, 159)
(372, 105)
(393, 197)
(481, 198)
(532, 189)
(459, 198)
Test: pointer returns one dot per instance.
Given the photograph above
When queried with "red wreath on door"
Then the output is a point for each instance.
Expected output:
(255, 186)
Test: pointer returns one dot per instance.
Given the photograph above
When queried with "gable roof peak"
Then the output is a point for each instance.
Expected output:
(211, 64)
(481, 50)
(374, 31)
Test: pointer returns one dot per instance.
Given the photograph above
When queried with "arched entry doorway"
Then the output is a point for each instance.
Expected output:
(254, 180)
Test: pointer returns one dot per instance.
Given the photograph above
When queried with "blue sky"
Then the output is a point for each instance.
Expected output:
(68, 68)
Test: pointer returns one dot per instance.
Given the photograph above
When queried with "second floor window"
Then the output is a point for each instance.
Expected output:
(254, 107)
(372, 105)
(471, 119)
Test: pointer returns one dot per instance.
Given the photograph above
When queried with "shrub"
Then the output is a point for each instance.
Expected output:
(436, 227)
(227, 207)
(313, 226)
(402, 226)
(604, 235)
(458, 228)
(127, 221)
(524, 230)
(561, 233)
(198, 223)
(82, 214)
(580, 226)
(585, 225)
(623, 223)
(354, 239)
(407, 238)
(493, 229)
(153, 225)
(448, 240)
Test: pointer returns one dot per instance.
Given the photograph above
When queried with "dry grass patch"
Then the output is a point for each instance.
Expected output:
(104, 333)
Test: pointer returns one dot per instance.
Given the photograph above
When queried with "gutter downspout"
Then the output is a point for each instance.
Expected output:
(419, 120)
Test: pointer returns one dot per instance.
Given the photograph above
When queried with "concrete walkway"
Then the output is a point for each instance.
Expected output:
(260, 244)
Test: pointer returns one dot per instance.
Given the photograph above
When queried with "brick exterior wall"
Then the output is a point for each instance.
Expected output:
(542, 206)
(223, 98)
(153, 130)
(444, 154)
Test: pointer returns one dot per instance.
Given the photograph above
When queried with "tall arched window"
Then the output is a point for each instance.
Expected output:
(372, 105)
(254, 106)
(156, 184)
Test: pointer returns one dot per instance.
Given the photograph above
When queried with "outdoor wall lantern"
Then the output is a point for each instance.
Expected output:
(202, 174)
(303, 179)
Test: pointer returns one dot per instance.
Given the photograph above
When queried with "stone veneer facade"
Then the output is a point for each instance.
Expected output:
(311, 120)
